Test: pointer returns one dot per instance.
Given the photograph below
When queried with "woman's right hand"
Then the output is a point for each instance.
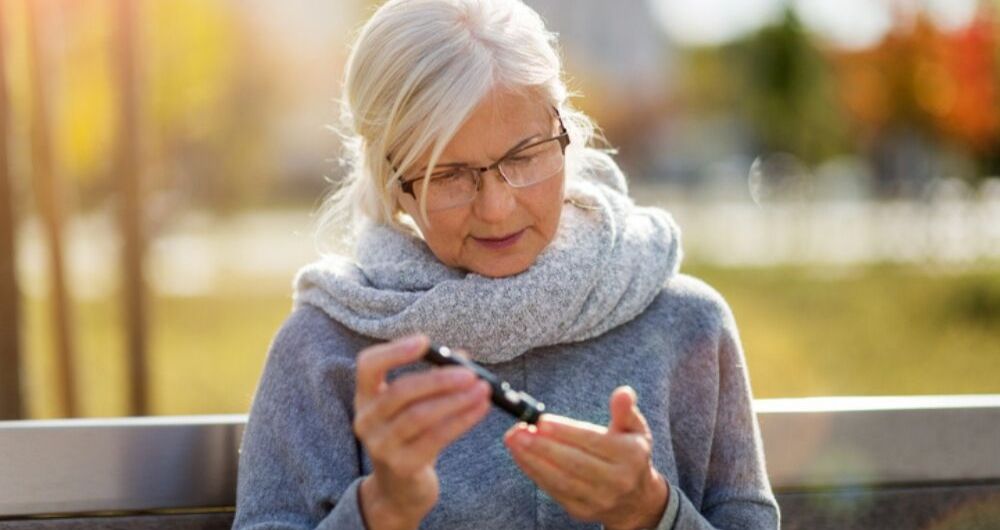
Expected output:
(405, 424)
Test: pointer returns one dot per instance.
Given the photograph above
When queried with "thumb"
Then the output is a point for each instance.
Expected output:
(625, 415)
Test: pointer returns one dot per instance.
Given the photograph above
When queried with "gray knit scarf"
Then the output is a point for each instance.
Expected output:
(605, 265)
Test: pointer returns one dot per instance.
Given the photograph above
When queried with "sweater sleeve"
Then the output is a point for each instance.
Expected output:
(737, 493)
(298, 462)
(670, 513)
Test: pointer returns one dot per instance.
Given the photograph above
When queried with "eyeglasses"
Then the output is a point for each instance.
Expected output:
(520, 167)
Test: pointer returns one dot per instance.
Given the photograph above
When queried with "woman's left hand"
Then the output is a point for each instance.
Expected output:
(597, 474)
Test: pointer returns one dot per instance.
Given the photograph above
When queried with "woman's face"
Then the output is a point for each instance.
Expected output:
(460, 236)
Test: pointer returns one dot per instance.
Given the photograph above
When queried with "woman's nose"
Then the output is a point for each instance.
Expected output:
(495, 200)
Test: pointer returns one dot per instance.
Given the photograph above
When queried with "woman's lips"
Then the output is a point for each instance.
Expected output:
(503, 242)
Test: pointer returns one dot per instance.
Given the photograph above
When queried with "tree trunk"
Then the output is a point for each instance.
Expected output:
(11, 404)
(129, 183)
(50, 205)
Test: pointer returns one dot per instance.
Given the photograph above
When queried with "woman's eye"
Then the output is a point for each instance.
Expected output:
(444, 177)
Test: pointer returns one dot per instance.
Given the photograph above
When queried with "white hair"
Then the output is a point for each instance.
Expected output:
(415, 73)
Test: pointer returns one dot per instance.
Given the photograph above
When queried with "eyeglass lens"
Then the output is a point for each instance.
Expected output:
(521, 169)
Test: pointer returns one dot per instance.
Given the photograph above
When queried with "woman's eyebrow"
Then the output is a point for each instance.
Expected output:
(517, 146)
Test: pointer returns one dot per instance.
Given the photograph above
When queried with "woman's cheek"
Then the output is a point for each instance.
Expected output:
(447, 238)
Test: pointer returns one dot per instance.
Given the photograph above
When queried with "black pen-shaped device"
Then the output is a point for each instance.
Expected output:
(517, 403)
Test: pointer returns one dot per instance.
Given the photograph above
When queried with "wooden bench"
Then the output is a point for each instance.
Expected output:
(886, 462)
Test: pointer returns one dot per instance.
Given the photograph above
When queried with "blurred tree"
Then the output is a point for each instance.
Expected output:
(131, 221)
(784, 91)
(924, 94)
(84, 113)
(209, 98)
(49, 192)
(11, 403)
(211, 102)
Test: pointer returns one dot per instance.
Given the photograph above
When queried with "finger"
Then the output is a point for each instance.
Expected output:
(391, 439)
(562, 486)
(514, 428)
(593, 439)
(428, 414)
(375, 361)
(429, 444)
(411, 388)
(625, 415)
(604, 476)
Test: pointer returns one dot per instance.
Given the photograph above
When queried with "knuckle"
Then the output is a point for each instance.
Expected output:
(364, 421)
(405, 430)
(640, 452)
(394, 392)
(441, 378)
(365, 357)
(399, 391)
(425, 446)
(417, 416)
(605, 504)
(448, 432)
(623, 483)
(438, 436)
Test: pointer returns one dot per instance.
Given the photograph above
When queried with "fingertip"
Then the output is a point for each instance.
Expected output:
(615, 397)
(515, 428)
(416, 342)
(545, 427)
(628, 391)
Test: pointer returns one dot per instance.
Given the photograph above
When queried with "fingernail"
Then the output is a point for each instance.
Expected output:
(413, 341)
(544, 428)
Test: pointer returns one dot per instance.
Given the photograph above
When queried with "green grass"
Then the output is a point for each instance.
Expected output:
(875, 330)
(206, 353)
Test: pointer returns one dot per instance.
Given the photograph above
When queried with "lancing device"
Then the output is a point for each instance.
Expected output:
(517, 403)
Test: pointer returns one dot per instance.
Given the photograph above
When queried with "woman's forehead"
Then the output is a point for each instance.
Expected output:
(500, 121)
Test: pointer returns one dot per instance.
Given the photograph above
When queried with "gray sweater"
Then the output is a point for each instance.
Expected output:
(300, 464)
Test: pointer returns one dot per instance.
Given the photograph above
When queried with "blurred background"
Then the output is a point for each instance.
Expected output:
(834, 166)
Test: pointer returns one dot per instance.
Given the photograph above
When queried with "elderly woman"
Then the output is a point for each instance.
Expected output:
(483, 221)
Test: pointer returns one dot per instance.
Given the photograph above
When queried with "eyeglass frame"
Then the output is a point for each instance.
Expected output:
(564, 141)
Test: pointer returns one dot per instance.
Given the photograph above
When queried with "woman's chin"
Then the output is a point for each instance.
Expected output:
(501, 267)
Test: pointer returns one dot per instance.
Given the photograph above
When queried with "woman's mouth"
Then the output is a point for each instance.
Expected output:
(501, 242)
